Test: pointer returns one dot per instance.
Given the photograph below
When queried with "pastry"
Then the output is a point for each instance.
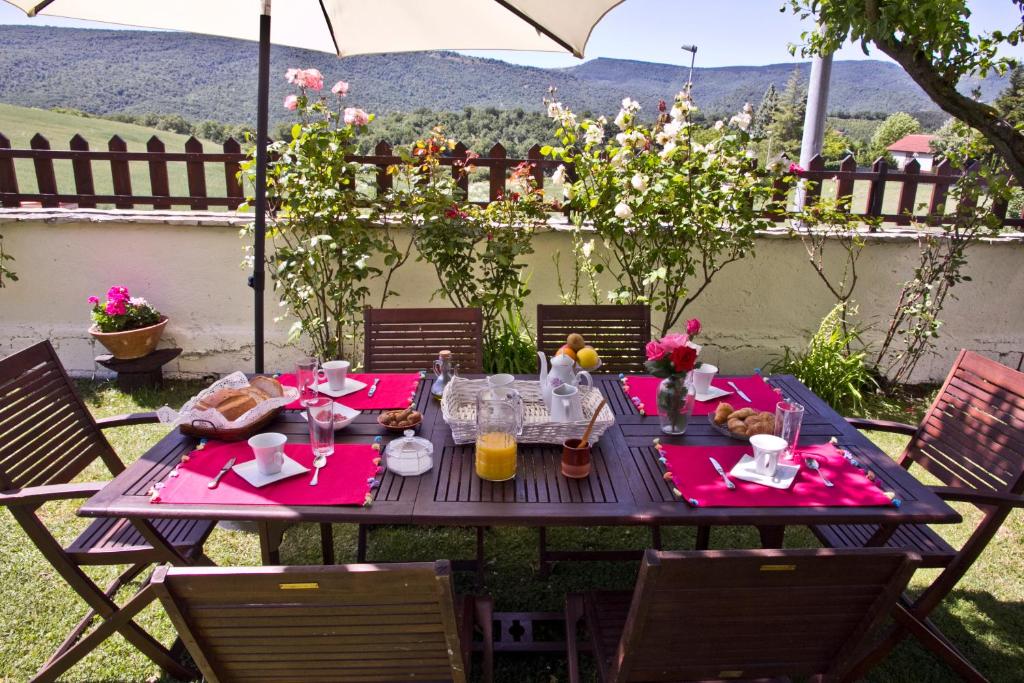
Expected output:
(743, 413)
(722, 413)
(736, 426)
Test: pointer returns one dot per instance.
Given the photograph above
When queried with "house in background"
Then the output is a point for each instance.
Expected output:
(915, 146)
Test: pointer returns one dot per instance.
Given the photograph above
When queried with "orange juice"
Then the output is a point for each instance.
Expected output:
(496, 456)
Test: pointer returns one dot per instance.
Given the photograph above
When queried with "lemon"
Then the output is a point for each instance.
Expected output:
(587, 358)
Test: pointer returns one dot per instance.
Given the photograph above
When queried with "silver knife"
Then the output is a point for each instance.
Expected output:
(739, 392)
(223, 470)
(718, 468)
(373, 388)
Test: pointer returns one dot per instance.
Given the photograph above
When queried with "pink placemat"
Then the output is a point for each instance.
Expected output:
(395, 390)
(347, 479)
(643, 390)
(700, 485)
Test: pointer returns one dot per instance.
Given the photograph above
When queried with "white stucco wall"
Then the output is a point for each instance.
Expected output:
(188, 265)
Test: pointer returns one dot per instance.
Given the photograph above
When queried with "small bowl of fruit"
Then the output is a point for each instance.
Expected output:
(400, 420)
(584, 355)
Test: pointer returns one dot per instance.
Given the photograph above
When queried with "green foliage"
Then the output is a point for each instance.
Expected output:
(1010, 103)
(320, 263)
(765, 113)
(786, 127)
(835, 147)
(6, 274)
(892, 129)
(829, 367)
(670, 212)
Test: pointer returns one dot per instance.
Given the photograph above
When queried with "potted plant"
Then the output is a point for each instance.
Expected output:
(129, 327)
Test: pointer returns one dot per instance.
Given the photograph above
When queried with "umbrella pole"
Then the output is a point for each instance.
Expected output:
(259, 233)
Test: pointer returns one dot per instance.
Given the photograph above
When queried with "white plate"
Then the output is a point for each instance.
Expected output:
(713, 393)
(343, 415)
(249, 472)
(351, 387)
(783, 479)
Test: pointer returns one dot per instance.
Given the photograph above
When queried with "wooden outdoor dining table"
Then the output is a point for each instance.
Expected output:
(626, 486)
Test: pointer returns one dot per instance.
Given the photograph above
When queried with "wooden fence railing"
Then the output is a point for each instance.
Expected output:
(891, 194)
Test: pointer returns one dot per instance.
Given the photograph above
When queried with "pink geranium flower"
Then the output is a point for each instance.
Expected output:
(115, 307)
(693, 327)
(340, 88)
(94, 300)
(291, 103)
(117, 293)
(655, 350)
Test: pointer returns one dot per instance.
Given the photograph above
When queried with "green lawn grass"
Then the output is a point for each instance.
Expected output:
(20, 124)
(984, 616)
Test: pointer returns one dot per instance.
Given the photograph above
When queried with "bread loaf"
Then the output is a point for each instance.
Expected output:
(268, 385)
(232, 403)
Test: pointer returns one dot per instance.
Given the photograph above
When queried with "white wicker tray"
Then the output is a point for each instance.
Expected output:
(458, 407)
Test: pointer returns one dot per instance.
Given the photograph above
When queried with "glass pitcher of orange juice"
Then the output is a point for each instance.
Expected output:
(497, 421)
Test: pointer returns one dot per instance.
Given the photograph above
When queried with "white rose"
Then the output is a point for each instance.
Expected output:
(719, 124)
(666, 152)
(588, 248)
(741, 121)
(621, 120)
(623, 211)
(638, 182)
(559, 175)
(595, 135)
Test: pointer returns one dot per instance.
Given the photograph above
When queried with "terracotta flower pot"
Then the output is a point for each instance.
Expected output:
(131, 343)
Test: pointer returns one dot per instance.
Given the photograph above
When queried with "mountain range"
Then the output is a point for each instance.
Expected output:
(202, 77)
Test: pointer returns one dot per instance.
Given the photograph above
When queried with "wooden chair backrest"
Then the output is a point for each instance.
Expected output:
(973, 434)
(332, 623)
(47, 435)
(618, 332)
(752, 614)
(409, 339)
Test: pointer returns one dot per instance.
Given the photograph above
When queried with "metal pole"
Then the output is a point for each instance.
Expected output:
(814, 118)
(692, 49)
(259, 233)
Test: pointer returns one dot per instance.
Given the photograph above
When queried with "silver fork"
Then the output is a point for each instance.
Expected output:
(318, 462)
(813, 464)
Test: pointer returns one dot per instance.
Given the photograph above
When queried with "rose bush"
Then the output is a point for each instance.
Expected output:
(670, 212)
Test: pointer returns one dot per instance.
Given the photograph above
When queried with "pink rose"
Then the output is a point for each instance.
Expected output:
(340, 88)
(693, 327)
(356, 117)
(292, 76)
(796, 168)
(291, 103)
(673, 341)
(655, 350)
(94, 300)
(311, 78)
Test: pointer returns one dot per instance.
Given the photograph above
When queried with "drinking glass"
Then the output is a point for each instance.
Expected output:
(789, 415)
(320, 415)
(305, 379)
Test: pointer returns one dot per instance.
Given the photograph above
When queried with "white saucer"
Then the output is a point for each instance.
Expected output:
(713, 393)
(351, 387)
(249, 472)
(783, 479)
(343, 415)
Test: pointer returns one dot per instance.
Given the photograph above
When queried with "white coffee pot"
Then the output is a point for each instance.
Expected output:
(562, 372)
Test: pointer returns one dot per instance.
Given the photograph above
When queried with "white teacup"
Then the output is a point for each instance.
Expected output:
(702, 377)
(767, 449)
(336, 372)
(502, 379)
(269, 450)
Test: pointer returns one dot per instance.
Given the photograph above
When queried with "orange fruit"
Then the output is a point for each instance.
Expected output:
(566, 351)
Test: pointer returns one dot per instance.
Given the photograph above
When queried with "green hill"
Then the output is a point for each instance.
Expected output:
(20, 124)
(202, 77)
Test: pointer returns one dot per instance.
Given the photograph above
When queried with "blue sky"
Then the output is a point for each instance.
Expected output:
(727, 32)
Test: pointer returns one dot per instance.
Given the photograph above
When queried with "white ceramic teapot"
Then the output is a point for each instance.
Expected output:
(562, 372)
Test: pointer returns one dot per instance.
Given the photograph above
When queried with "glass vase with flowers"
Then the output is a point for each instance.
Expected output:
(673, 358)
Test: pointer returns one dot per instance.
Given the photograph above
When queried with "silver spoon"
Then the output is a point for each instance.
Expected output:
(813, 464)
(318, 462)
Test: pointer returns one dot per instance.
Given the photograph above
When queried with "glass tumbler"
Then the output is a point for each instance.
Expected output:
(305, 378)
(789, 415)
(320, 415)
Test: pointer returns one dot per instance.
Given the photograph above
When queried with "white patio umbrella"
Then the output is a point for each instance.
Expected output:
(346, 27)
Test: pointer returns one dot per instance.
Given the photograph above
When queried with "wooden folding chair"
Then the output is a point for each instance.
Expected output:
(618, 332)
(408, 339)
(739, 614)
(354, 622)
(47, 438)
(972, 440)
